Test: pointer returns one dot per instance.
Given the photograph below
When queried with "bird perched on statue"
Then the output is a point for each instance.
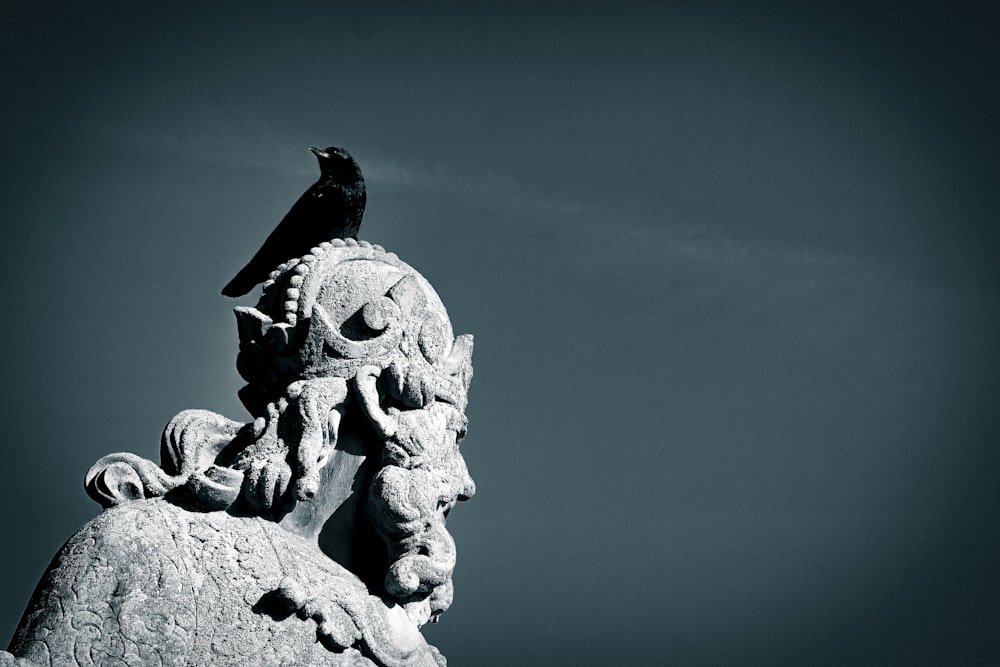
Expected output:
(331, 209)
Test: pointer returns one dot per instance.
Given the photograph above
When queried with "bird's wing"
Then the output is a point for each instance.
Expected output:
(282, 244)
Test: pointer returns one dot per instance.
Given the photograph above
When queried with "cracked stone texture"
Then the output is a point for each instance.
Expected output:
(149, 583)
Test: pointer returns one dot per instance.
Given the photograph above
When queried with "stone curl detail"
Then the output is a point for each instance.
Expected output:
(345, 306)
(190, 443)
(421, 479)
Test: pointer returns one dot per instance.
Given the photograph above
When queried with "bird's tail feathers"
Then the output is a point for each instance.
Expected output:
(240, 285)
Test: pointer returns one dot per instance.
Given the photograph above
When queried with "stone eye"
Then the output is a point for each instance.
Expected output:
(432, 341)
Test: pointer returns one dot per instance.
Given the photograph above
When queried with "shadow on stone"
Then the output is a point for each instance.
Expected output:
(273, 605)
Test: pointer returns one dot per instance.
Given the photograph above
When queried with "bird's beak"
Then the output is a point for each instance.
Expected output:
(319, 152)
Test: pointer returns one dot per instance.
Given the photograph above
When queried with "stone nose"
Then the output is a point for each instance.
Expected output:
(466, 486)
(468, 491)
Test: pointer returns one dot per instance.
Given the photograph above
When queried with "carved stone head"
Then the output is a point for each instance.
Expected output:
(350, 328)
(358, 386)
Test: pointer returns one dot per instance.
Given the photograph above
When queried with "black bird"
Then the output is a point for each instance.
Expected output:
(331, 209)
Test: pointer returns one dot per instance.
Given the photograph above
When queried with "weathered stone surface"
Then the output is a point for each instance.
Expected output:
(313, 535)
(150, 583)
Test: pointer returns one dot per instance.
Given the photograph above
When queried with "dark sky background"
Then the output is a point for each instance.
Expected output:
(731, 269)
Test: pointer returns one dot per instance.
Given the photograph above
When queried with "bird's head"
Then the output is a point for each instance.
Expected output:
(335, 160)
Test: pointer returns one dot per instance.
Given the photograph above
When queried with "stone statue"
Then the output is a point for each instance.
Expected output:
(313, 535)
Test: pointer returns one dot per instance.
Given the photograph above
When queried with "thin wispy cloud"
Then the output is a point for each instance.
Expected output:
(478, 182)
(701, 243)
(601, 238)
(231, 143)
(591, 228)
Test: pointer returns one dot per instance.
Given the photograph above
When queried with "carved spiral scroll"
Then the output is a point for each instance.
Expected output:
(117, 478)
(190, 443)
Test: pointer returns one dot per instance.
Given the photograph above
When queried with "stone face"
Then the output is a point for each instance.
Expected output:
(313, 535)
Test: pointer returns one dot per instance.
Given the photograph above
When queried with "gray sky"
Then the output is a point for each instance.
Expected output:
(731, 269)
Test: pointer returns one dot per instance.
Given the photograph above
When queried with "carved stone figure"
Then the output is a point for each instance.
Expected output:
(313, 535)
